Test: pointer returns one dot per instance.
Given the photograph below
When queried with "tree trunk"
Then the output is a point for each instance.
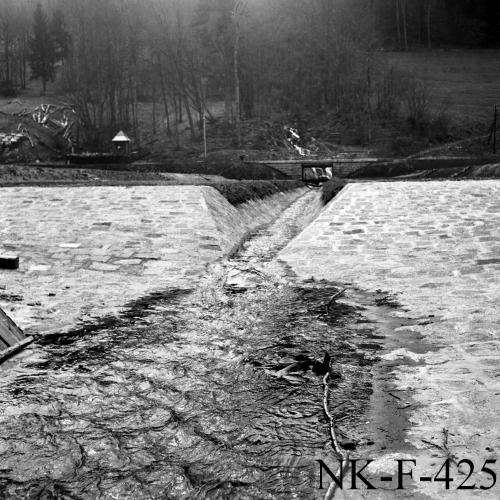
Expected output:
(237, 84)
(398, 26)
(164, 96)
(135, 115)
(405, 25)
(153, 91)
(176, 121)
(190, 118)
(429, 15)
(180, 118)
(227, 98)
(24, 62)
(7, 53)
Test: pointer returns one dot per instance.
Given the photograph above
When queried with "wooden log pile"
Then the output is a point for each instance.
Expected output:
(59, 120)
(11, 140)
(38, 134)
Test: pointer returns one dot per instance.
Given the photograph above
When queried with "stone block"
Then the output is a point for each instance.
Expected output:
(9, 261)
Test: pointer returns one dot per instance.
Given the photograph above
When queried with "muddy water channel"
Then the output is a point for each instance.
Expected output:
(212, 392)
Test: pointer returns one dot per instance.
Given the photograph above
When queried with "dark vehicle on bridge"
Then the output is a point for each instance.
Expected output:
(315, 176)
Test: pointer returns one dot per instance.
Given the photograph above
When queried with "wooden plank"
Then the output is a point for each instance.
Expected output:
(7, 334)
(10, 333)
(12, 338)
(3, 345)
(15, 349)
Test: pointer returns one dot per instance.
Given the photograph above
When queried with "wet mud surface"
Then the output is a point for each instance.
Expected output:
(211, 392)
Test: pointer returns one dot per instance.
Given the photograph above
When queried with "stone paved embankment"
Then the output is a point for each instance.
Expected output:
(85, 252)
(436, 246)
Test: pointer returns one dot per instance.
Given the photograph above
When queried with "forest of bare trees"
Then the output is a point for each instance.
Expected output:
(259, 57)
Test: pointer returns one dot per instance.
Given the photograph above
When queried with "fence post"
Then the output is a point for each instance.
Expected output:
(204, 136)
(495, 130)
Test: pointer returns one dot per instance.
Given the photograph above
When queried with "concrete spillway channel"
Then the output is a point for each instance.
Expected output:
(212, 384)
(212, 389)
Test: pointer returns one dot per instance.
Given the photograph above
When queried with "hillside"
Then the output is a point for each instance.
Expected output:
(460, 89)
(461, 83)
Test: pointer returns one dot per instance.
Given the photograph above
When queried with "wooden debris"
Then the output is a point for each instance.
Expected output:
(341, 453)
(12, 338)
(321, 368)
(334, 297)
(11, 140)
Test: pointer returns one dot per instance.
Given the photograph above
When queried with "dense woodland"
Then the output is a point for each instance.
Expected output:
(259, 57)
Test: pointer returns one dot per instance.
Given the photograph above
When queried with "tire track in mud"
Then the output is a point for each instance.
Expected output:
(214, 392)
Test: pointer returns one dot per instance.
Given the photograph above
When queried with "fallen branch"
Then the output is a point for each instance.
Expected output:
(333, 299)
(394, 396)
(333, 437)
(444, 447)
(28, 136)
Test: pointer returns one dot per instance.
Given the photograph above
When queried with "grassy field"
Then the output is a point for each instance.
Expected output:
(463, 83)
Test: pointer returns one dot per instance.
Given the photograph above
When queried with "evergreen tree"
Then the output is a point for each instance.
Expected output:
(42, 55)
(60, 36)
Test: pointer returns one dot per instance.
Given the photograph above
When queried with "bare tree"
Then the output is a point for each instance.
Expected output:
(429, 4)
(237, 12)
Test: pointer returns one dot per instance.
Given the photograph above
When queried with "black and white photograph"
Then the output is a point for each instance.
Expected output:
(249, 249)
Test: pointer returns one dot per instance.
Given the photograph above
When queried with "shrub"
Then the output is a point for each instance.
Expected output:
(425, 122)
(240, 192)
(7, 89)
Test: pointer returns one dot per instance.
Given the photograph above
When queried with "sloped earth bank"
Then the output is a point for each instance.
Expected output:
(211, 392)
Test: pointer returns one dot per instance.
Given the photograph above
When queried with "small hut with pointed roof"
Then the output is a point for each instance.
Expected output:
(121, 143)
